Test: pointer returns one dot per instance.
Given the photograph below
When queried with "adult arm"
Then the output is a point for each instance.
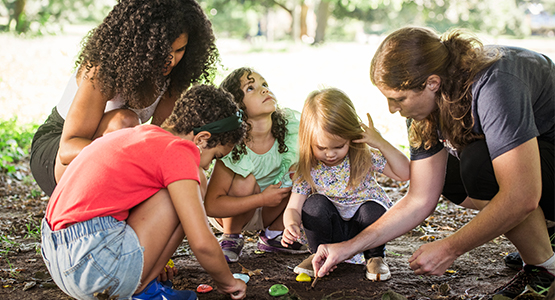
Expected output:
(83, 117)
(186, 198)
(518, 174)
(427, 178)
(220, 204)
(164, 109)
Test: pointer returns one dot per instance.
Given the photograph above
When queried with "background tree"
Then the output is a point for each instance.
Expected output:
(49, 16)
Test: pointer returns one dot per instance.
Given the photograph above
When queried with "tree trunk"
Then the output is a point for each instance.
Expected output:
(304, 12)
(321, 21)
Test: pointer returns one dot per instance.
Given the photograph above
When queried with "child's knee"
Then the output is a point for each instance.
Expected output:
(318, 205)
(244, 186)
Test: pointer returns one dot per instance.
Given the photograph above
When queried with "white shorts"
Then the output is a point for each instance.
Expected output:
(255, 223)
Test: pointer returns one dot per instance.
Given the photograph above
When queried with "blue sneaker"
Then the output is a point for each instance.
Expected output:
(156, 291)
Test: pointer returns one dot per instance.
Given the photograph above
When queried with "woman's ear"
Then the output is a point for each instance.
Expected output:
(201, 139)
(433, 83)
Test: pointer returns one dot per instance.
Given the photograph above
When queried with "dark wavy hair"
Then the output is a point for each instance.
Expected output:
(408, 56)
(232, 84)
(203, 104)
(131, 47)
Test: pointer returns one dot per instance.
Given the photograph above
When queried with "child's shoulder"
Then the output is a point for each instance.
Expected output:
(290, 113)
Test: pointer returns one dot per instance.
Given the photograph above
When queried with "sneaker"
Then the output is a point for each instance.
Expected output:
(536, 277)
(514, 261)
(274, 245)
(305, 267)
(232, 244)
(377, 269)
(156, 291)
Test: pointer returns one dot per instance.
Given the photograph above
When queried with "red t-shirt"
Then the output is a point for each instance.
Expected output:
(119, 171)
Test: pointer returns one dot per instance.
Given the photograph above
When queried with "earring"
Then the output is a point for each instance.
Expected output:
(199, 149)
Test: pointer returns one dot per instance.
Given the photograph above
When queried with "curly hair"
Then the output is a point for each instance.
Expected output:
(131, 47)
(203, 104)
(232, 84)
(408, 56)
(331, 111)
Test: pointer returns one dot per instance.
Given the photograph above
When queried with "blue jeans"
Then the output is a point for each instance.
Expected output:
(98, 255)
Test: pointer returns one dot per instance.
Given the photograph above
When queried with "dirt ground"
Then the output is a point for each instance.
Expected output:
(23, 274)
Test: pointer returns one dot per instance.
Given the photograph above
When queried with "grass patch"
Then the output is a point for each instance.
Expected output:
(15, 143)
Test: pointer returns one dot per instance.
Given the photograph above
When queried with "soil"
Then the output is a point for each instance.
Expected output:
(474, 275)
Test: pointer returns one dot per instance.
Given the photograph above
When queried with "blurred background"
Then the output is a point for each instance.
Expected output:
(297, 45)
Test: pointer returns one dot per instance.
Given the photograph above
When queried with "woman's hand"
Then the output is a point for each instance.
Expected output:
(432, 258)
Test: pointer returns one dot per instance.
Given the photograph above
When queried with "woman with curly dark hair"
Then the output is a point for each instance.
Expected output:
(249, 188)
(115, 225)
(131, 69)
(481, 125)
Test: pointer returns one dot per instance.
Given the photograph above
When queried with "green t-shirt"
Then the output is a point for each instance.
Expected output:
(271, 167)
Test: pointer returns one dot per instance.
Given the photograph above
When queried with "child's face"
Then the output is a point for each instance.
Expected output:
(258, 99)
(329, 149)
(209, 154)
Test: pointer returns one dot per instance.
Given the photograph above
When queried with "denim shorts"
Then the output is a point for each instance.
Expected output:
(95, 256)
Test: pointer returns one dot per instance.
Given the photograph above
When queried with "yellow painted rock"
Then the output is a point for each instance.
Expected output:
(170, 263)
(303, 278)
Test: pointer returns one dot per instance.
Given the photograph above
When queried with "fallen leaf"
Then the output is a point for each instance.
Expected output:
(249, 272)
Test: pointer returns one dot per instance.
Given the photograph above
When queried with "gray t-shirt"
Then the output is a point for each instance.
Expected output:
(513, 102)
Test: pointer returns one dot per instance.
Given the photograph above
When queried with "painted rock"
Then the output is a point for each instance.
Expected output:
(303, 278)
(278, 290)
(204, 288)
(243, 277)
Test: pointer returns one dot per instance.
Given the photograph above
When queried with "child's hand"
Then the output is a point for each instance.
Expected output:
(168, 272)
(371, 135)
(291, 233)
(274, 194)
(237, 291)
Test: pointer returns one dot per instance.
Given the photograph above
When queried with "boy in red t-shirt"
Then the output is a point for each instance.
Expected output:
(129, 198)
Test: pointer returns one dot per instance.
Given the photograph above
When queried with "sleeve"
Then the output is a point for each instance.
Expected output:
(504, 111)
(378, 160)
(301, 186)
(290, 157)
(244, 166)
(421, 152)
(180, 161)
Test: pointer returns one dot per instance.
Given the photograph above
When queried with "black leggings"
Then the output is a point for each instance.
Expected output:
(473, 176)
(324, 225)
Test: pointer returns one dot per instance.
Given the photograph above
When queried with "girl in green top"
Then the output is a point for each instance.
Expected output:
(250, 187)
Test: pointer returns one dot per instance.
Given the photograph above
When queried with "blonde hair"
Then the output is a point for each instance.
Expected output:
(332, 111)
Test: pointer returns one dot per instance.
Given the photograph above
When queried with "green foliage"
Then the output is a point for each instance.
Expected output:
(38, 17)
(15, 142)
(493, 17)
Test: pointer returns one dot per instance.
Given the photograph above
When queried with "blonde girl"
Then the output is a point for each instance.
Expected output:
(335, 194)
